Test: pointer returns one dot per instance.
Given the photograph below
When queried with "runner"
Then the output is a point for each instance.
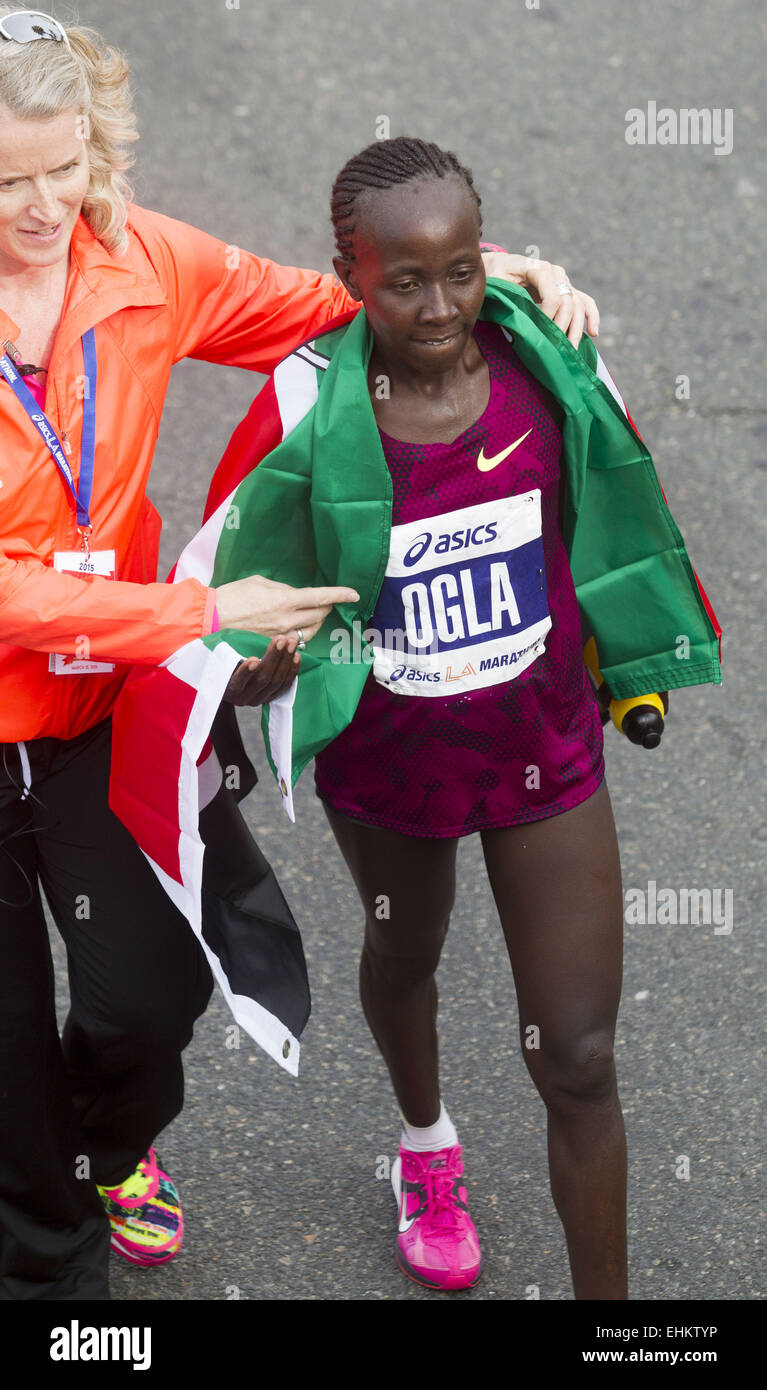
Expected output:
(495, 730)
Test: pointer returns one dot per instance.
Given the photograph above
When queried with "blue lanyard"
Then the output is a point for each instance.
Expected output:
(81, 493)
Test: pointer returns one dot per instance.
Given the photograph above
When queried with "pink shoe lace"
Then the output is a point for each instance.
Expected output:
(440, 1182)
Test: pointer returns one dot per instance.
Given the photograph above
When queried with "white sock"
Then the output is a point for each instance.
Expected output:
(440, 1135)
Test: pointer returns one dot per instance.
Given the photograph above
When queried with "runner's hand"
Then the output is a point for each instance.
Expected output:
(273, 609)
(258, 682)
(569, 311)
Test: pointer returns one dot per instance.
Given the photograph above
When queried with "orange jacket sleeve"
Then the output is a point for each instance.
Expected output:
(104, 619)
(230, 306)
(227, 306)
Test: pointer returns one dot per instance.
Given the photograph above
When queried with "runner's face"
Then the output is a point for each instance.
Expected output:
(418, 271)
(44, 176)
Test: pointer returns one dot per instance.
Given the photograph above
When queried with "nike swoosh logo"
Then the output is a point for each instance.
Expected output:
(402, 1190)
(405, 1222)
(484, 464)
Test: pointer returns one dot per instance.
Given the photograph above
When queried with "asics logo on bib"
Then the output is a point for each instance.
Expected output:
(412, 673)
(456, 540)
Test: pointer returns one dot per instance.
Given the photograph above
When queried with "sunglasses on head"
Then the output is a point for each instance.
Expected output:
(23, 26)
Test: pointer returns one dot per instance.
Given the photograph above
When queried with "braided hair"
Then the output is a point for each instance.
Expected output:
(382, 165)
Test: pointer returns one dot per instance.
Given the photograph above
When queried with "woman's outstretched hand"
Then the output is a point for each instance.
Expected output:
(570, 311)
(273, 609)
(259, 681)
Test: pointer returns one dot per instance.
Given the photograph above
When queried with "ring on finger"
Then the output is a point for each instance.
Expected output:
(301, 642)
(564, 287)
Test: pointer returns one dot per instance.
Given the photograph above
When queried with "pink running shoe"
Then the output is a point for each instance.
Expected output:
(437, 1244)
(145, 1214)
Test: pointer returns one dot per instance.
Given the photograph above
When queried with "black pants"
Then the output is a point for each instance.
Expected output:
(83, 1109)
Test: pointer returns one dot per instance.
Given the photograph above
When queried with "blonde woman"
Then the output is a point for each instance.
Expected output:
(98, 299)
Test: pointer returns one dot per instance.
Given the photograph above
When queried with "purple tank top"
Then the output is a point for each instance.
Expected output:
(487, 717)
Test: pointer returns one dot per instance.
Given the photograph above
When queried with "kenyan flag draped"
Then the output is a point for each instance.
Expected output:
(317, 510)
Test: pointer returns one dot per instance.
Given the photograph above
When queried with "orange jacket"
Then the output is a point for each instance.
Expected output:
(177, 292)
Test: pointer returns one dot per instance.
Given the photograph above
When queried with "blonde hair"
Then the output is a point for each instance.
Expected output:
(44, 78)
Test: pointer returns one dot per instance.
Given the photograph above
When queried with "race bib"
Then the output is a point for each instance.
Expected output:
(464, 601)
(101, 562)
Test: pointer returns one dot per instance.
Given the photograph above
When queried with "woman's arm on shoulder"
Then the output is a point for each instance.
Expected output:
(229, 305)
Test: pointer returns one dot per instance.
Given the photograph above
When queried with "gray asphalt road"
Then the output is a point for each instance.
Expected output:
(246, 115)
